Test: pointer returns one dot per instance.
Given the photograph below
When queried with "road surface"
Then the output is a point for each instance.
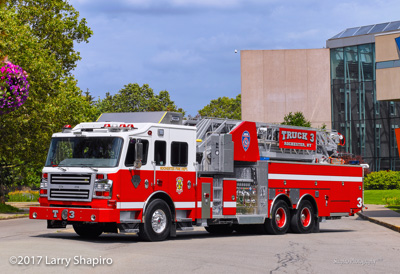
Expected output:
(349, 245)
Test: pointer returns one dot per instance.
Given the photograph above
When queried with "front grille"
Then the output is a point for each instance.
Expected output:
(75, 194)
(74, 206)
(70, 179)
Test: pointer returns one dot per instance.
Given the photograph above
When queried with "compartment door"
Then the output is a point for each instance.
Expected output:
(229, 197)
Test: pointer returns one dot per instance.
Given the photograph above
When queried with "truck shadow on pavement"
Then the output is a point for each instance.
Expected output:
(110, 238)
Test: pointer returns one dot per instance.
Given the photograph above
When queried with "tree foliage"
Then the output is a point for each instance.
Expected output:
(136, 98)
(224, 107)
(56, 24)
(296, 119)
(38, 36)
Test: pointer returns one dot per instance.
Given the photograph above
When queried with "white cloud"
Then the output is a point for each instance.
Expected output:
(206, 3)
(176, 58)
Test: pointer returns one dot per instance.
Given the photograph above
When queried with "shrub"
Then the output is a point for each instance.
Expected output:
(391, 201)
(23, 196)
(382, 180)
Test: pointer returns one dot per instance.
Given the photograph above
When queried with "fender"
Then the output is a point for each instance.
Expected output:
(314, 203)
(163, 193)
(286, 199)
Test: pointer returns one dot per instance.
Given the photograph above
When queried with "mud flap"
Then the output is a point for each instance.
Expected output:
(172, 232)
(316, 225)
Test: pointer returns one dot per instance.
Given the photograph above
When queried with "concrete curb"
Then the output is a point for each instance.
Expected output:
(373, 220)
(13, 216)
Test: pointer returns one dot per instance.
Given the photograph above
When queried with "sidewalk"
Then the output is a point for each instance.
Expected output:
(24, 207)
(381, 215)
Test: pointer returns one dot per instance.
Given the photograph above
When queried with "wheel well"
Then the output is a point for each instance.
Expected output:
(312, 201)
(165, 197)
(284, 198)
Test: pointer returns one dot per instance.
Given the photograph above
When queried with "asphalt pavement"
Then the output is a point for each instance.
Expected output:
(378, 214)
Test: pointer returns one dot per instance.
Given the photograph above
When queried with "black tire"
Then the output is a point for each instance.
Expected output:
(88, 231)
(219, 229)
(303, 221)
(157, 222)
(280, 219)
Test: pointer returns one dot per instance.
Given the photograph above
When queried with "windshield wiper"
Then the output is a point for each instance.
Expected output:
(85, 165)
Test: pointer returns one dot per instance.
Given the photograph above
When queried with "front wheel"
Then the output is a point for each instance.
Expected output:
(279, 221)
(303, 220)
(157, 222)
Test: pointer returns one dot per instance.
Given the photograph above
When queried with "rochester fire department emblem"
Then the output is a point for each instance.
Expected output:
(179, 185)
(246, 140)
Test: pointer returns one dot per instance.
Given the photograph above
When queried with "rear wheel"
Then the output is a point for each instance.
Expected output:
(219, 229)
(279, 221)
(303, 221)
(89, 231)
(157, 222)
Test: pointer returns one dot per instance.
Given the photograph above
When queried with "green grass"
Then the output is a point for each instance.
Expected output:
(4, 208)
(376, 196)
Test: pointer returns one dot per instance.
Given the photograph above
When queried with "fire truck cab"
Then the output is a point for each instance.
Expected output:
(148, 173)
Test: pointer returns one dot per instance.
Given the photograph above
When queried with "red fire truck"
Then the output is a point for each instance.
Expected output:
(154, 174)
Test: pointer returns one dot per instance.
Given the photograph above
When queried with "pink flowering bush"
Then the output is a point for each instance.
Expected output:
(14, 87)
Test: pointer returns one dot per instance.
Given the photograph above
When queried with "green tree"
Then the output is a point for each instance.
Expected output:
(296, 119)
(56, 24)
(135, 98)
(54, 99)
(224, 107)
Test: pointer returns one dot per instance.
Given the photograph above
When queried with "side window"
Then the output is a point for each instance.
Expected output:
(130, 155)
(160, 153)
(179, 154)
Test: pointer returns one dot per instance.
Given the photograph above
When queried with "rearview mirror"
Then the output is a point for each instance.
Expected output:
(138, 154)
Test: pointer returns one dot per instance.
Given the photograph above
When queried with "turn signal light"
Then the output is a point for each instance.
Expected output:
(112, 203)
(100, 176)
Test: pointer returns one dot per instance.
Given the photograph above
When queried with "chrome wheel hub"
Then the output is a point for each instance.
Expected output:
(158, 221)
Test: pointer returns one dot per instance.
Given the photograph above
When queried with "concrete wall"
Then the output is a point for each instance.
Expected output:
(276, 82)
(387, 79)
(385, 47)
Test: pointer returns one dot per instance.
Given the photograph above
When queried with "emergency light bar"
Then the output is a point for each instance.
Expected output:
(120, 125)
(67, 128)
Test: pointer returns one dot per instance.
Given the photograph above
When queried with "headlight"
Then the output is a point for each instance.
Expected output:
(102, 188)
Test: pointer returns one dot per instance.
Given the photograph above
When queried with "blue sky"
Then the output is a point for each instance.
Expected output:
(187, 46)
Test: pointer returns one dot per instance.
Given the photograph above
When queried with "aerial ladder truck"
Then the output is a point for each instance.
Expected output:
(155, 173)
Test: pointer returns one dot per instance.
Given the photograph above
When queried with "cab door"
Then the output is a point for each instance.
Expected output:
(182, 175)
(134, 183)
(160, 170)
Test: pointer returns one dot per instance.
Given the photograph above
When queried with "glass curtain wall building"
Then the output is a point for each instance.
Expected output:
(367, 124)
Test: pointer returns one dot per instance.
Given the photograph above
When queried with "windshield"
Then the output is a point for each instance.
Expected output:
(84, 151)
